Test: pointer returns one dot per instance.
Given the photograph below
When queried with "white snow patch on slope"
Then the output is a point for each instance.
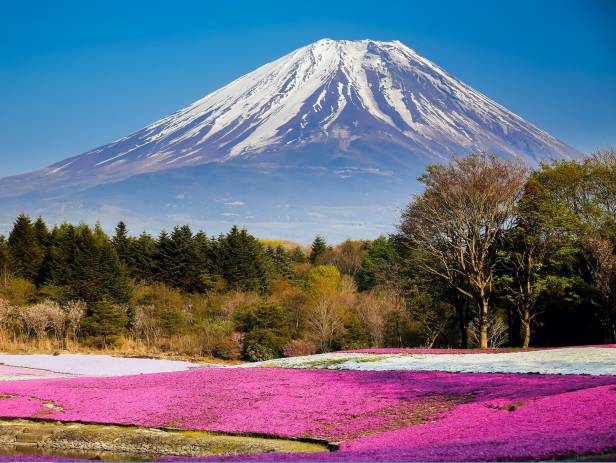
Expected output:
(96, 365)
(566, 361)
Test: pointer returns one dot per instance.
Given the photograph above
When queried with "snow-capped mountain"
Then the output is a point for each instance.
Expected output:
(348, 107)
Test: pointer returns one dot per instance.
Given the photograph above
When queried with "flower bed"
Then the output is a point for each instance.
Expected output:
(376, 415)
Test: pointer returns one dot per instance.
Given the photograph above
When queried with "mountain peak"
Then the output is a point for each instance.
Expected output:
(357, 103)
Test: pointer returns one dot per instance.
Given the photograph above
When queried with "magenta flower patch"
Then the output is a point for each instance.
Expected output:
(374, 415)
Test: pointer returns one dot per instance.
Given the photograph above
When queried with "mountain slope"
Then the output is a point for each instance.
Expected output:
(352, 108)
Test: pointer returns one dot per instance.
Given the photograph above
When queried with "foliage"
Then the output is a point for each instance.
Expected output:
(298, 347)
(317, 249)
(483, 240)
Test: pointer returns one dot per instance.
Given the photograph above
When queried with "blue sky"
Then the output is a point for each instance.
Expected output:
(75, 75)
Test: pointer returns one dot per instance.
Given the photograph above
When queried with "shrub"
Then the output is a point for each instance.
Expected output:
(298, 347)
(256, 352)
(273, 341)
(228, 348)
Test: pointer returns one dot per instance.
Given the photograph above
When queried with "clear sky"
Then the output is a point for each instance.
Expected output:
(75, 75)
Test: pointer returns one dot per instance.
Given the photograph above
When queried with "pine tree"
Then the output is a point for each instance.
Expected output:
(5, 260)
(121, 242)
(85, 264)
(279, 263)
(26, 251)
(164, 258)
(243, 262)
(41, 232)
(380, 264)
(142, 258)
(185, 262)
(318, 248)
(105, 321)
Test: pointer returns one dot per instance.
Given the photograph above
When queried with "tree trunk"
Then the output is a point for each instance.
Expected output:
(483, 323)
(514, 326)
(526, 328)
(462, 312)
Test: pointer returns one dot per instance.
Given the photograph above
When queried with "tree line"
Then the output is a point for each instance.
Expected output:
(490, 254)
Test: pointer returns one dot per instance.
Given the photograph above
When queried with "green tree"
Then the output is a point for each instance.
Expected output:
(41, 232)
(105, 321)
(121, 242)
(5, 261)
(141, 260)
(243, 262)
(318, 248)
(267, 330)
(459, 220)
(279, 263)
(26, 251)
(184, 260)
(583, 196)
(534, 252)
(84, 262)
(380, 265)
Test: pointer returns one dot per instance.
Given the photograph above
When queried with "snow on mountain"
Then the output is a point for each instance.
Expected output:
(341, 94)
(347, 124)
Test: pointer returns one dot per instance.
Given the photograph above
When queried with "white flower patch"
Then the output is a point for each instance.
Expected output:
(566, 361)
(96, 365)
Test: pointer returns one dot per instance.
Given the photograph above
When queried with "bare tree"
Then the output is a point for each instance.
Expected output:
(145, 326)
(458, 222)
(7, 318)
(325, 322)
(39, 317)
(497, 331)
(74, 310)
(347, 256)
(373, 309)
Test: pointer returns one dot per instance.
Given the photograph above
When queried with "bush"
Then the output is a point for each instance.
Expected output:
(256, 352)
(105, 322)
(228, 348)
(298, 347)
(273, 341)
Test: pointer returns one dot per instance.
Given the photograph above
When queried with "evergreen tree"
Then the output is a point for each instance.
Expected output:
(318, 248)
(243, 261)
(141, 260)
(164, 258)
(84, 262)
(5, 260)
(122, 242)
(58, 266)
(26, 251)
(380, 264)
(105, 321)
(279, 263)
(185, 260)
(41, 232)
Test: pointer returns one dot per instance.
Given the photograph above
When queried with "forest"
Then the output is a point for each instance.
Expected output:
(489, 254)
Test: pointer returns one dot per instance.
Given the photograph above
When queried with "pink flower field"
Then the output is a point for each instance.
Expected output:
(372, 415)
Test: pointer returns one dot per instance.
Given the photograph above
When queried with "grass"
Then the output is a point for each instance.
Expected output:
(125, 347)
(111, 442)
